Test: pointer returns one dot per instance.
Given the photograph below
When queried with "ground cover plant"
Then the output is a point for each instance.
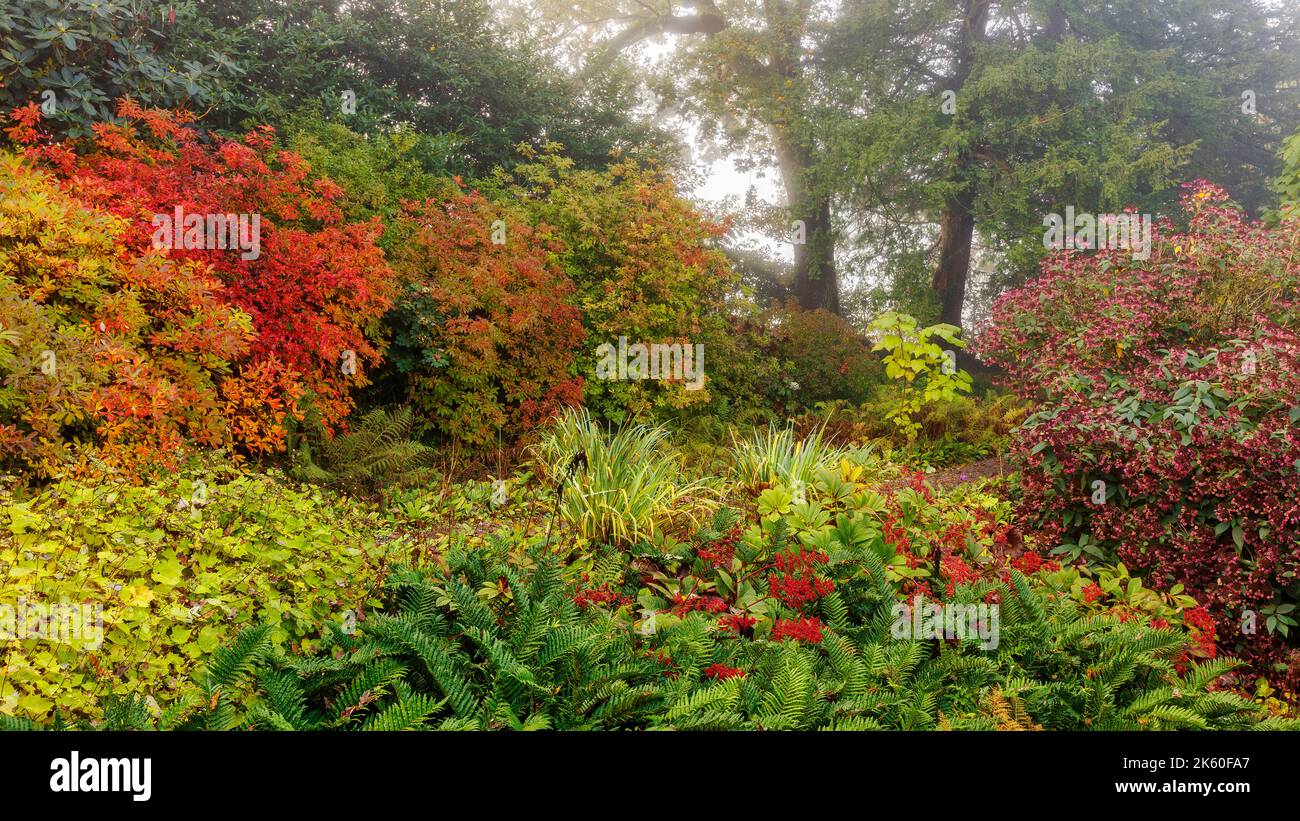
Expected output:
(177, 567)
(776, 621)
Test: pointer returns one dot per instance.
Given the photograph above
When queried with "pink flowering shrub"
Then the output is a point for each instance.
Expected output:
(1169, 434)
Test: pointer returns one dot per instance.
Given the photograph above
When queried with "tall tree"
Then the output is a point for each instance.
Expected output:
(750, 65)
(957, 221)
(997, 113)
(437, 66)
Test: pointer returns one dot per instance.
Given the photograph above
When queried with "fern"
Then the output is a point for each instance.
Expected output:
(376, 453)
(439, 656)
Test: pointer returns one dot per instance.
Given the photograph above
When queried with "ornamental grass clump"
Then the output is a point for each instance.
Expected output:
(631, 486)
(774, 456)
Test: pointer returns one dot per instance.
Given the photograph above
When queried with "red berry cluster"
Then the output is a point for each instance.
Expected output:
(600, 596)
(797, 583)
(806, 631)
(722, 672)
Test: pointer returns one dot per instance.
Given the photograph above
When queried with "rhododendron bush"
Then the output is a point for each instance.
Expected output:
(1169, 437)
(317, 285)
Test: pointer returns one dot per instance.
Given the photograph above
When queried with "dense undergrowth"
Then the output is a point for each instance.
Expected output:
(764, 610)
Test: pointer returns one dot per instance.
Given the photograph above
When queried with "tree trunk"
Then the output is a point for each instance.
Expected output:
(956, 232)
(957, 224)
(815, 282)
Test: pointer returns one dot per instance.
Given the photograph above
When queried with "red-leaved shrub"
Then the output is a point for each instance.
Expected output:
(318, 285)
(1169, 434)
(487, 332)
(105, 346)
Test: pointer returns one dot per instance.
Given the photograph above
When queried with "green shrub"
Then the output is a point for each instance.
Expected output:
(179, 567)
(825, 358)
(1287, 184)
(927, 371)
(377, 172)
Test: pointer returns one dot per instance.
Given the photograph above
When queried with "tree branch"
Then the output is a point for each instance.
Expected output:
(707, 21)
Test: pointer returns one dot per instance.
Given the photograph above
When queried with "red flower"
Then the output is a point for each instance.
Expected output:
(1201, 628)
(1031, 563)
(917, 482)
(1092, 592)
(794, 591)
(895, 535)
(685, 604)
(801, 562)
(957, 572)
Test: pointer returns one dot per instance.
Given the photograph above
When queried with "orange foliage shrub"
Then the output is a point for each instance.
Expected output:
(317, 284)
(101, 344)
(487, 331)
